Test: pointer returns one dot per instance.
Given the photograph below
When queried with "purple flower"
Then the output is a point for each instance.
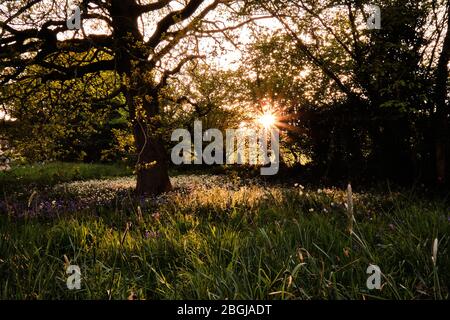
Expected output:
(151, 234)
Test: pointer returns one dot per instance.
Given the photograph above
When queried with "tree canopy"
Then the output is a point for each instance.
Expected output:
(355, 100)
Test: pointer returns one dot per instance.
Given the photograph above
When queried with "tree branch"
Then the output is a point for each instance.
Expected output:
(152, 6)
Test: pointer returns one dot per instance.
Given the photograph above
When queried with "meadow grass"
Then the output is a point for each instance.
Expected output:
(216, 238)
(48, 174)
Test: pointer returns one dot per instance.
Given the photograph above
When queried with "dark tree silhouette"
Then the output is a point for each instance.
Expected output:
(34, 35)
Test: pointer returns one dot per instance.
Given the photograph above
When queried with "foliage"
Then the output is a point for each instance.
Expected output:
(359, 102)
(64, 121)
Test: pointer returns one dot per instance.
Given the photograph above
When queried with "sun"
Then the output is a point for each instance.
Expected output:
(267, 120)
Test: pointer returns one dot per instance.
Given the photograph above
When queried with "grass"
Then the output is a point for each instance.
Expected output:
(49, 174)
(220, 238)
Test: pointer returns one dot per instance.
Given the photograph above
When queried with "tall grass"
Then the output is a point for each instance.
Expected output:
(212, 239)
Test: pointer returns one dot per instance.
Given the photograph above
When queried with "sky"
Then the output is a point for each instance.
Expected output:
(4, 116)
(231, 59)
(225, 60)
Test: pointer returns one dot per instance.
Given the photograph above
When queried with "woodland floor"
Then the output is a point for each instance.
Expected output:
(213, 237)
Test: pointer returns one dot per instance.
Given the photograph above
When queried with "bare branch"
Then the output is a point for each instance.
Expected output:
(152, 6)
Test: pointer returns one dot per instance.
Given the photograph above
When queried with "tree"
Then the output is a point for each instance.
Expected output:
(36, 47)
(386, 88)
(64, 122)
(441, 118)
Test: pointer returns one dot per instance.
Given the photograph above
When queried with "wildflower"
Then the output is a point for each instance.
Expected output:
(325, 210)
(311, 210)
(319, 191)
(156, 215)
(347, 252)
(151, 234)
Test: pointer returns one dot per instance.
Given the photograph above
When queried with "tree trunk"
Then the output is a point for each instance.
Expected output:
(152, 168)
(142, 100)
